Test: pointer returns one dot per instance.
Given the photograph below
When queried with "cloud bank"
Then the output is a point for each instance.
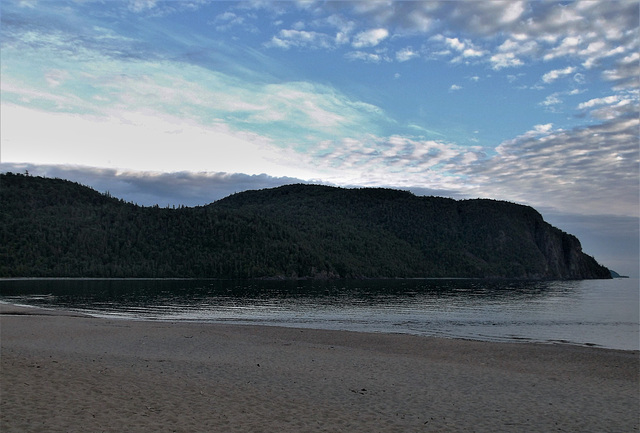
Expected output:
(146, 188)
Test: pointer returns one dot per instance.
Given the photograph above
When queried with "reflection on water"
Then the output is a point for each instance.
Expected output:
(596, 312)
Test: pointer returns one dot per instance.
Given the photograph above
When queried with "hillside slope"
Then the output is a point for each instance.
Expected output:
(56, 228)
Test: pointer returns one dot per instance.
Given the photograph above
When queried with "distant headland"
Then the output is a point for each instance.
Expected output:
(614, 274)
(57, 228)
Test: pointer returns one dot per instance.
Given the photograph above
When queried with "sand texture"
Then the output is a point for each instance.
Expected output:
(68, 373)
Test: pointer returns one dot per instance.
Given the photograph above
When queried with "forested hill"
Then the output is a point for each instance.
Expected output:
(57, 228)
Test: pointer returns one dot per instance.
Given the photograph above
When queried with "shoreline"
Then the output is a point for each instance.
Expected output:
(309, 278)
(12, 309)
(72, 372)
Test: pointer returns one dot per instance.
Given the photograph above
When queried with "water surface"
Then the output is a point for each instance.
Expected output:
(590, 312)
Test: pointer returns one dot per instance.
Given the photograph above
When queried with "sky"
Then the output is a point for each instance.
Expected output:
(186, 102)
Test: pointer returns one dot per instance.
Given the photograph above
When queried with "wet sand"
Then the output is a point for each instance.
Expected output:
(71, 373)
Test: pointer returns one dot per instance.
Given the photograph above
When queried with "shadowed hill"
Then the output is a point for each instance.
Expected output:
(53, 227)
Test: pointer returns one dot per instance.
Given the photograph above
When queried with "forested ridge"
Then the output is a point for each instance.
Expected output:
(57, 228)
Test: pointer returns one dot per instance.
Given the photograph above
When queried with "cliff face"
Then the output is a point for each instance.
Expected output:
(518, 242)
(564, 256)
(55, 228)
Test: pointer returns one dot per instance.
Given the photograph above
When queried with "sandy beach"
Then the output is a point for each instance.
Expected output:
(72, 373)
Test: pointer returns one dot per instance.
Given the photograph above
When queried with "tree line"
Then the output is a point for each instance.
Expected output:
(57, 228)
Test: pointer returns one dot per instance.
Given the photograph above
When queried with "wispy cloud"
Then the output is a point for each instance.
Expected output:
(367, 57)
(141, 5)
(228, 20)
(114, 88)
(300, 38)
(552, 100)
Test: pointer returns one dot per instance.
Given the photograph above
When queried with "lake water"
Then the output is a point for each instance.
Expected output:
(601, 313)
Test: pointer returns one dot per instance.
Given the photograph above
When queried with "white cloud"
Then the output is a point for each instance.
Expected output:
(139, 140)
(579, 78)
(616, 111)
(484, 17)
(455, 87)
(370, 38)
(511, 51)
(300, 38)
(624, 76)
(394, 160)
(557, 168)
(341, 38)
(512, 11)
(216, 104)
(611, 107)
(364, 56)
(543, 129)
(419, 21)
(551, 76)
(599, 101)
(322, 110)
(338, 21)
(31, 4)
(55, 77)
(227, 20)
(537, 31)
(552, 99)
(465, 48)
(569, 46)
(505, 60)
(472, 52)
(343, 26)
(195, 93)
(28, 95)
(630, 59)
(406, 54)
(141, 5)
(454, 43)
(589, 33)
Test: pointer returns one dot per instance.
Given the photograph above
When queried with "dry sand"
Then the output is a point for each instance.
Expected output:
(68, 373)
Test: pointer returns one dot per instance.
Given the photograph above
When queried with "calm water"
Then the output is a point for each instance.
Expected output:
(597, 312)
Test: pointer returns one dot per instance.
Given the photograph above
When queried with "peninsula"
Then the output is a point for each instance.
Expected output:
(57, 228)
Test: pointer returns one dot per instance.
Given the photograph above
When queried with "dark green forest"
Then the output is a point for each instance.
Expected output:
(57, 228)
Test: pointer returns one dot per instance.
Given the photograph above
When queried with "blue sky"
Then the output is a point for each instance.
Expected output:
(185, 102)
